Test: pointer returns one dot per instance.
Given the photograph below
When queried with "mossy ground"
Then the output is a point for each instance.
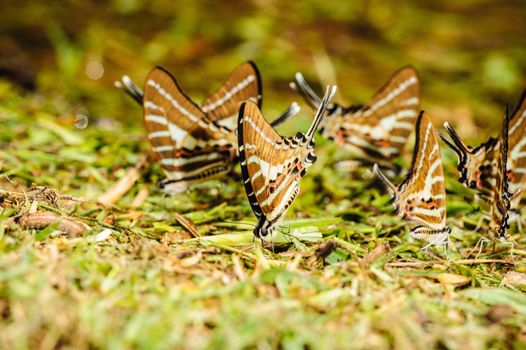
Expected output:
(343, 273)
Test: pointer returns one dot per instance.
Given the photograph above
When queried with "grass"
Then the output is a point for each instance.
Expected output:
(149, 271)
(159, 272)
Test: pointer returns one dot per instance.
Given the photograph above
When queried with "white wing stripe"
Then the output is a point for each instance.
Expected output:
(395, 92)
(413, 101)
(163, 148)
(518, 123)
(184, 161)
(240, 86)
(259, 131)
(428, 212)
(174, 103)
(151, 105)
(516, 151)
(159, 134)
(158, 119)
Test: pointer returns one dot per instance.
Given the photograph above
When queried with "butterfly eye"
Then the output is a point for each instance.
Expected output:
(260, 232)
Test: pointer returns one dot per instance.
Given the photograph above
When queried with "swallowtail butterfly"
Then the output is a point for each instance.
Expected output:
(378, 129)
(501, 195)
(194, 143)
(273, 165)
(477, 166)
(421, 197)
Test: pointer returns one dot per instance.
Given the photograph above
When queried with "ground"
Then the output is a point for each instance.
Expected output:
(137, 268)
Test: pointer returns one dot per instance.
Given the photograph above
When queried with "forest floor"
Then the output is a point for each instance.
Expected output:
(151, 271)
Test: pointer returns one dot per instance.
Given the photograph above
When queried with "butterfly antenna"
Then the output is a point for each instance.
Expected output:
(129, 87)
(388, 184)
(291, 111)
(329, 94)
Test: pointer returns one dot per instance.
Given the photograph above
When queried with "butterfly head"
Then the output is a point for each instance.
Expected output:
(264, 228)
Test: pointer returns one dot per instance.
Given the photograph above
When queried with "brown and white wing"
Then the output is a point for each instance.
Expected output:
(186, 143)
(422, 196)
(223, 105)
(501, 196)
(267, 163)
(381, 127)
(476, 165)
(517, 146)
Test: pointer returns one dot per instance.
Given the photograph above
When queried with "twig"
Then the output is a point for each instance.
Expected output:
(418, 264)
(29, 194)
(188, 225)
(121, 187)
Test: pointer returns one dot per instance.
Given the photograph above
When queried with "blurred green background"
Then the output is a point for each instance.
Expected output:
(471, 54)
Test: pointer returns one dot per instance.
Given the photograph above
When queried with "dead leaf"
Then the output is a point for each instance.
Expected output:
(121, 187)
(39, 221)
(452, 279)
(514, 278)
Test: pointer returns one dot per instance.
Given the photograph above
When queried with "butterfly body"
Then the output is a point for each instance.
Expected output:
(421, 197)
(272, 165)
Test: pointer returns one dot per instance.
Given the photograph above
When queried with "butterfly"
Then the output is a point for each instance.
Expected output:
(195, 143)
(421, 197)
(477, 166)
(273, 165)
(501, 196)
(378, 129)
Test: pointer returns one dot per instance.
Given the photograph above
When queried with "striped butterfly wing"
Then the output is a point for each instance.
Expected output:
(188, 146)
(501, 196)
(476, 165)
(421, 198)
(272, 165)
(380, 128)
(517, 147)
(267, 162)
(223, 105)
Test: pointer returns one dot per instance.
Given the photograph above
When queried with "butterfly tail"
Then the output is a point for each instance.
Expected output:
(291, 111)
(457, 145)
(305, 91)
(388, 184)
(129, 87)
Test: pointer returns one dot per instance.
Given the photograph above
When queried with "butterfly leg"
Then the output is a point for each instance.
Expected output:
(512, 245)
(286, 228)
(426, 247)
(481, 221)
(480, 243)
